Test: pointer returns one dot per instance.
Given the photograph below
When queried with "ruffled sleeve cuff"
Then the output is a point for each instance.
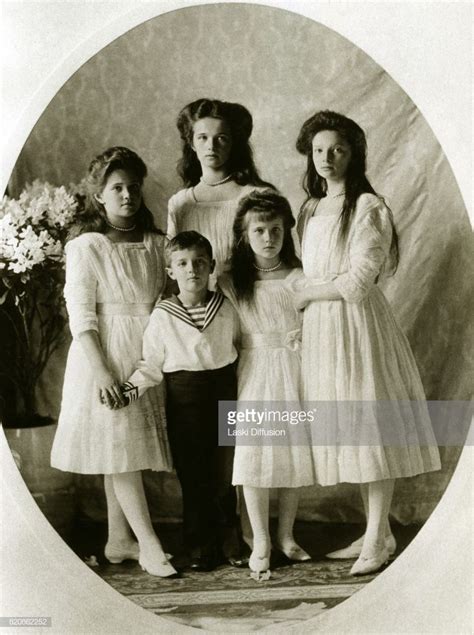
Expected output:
(298, 281)
(369, 247)
(350, 289)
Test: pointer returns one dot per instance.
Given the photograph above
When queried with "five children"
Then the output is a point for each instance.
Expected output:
(200, 346)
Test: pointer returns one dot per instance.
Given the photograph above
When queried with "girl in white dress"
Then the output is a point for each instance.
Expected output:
(217, 170)
(353, 349)
(114, 275)
(262, 282)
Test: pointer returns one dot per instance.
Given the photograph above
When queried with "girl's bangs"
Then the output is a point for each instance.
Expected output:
(265, 214)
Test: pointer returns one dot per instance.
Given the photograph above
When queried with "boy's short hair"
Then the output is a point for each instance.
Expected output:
(187, 240)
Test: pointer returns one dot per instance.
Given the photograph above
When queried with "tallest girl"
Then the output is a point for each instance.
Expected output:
(355, 356)
(217, 169)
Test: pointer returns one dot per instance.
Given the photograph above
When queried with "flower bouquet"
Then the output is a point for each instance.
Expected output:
(33, 230)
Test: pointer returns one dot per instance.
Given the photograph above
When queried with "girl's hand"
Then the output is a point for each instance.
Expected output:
(107, 386)
(301, 299)
(116, 406)
(109, 391)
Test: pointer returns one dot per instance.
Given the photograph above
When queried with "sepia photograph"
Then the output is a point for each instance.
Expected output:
(236, 317)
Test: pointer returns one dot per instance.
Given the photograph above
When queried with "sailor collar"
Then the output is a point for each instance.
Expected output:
(175, 307)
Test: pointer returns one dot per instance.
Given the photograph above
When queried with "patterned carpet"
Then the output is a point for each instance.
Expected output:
(227, 599)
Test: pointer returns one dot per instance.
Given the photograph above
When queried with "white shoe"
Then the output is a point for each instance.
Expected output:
(370, 564)
(116, 554)
(260, 566)
(158, 565)
(294, 553)
(355, 549)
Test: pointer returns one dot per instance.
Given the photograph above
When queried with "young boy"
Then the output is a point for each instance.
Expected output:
(189, 343)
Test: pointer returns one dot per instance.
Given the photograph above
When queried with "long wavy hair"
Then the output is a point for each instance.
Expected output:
(356, 181)
(239, 120)
(266, 205)
(93, 217)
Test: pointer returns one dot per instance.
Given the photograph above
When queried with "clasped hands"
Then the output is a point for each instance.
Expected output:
(110, 392)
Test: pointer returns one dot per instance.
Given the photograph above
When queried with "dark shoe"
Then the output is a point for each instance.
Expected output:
(203, 563)
(240, 562)
(239, 556)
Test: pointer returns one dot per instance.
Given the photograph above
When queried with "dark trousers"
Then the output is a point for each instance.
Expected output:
(204, 469)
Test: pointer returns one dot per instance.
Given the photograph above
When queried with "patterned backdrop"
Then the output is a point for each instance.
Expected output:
(283, 68)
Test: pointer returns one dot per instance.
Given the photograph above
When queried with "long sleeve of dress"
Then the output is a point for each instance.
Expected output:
(149, 370)
(164, 278)
(224, 283)
(80, 290)
(172, 229)
(368, 248)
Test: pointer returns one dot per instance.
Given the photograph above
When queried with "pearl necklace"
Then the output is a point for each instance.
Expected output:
(268, 269)
(224, 180)
(335, 195)
(122, 229)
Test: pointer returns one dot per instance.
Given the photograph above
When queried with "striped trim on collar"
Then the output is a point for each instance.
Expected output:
(174, 307)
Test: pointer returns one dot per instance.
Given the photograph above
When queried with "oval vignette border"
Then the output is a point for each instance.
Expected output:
(125, 22)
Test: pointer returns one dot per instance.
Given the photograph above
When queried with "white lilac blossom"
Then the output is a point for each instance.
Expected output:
(33, 231)
(32, 228)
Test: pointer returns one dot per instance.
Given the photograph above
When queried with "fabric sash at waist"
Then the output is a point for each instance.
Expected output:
(124, 308)
(291, 340)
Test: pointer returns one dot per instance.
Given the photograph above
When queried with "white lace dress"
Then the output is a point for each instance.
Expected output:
(269, 371)
(110, 288)
(355, 352)
(212, 219)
